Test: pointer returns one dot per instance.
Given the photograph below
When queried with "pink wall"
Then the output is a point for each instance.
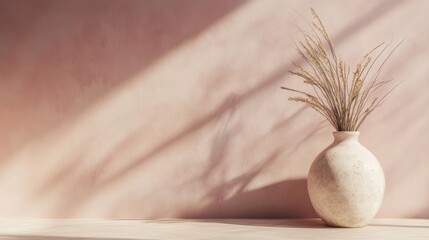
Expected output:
(146, 109)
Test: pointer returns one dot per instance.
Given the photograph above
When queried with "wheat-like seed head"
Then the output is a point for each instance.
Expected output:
(344, 100)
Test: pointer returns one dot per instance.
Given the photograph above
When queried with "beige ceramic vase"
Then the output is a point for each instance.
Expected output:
(346, 183)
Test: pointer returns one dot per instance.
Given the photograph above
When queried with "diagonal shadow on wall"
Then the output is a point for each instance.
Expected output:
(270, 82)
(52, 51)
(62, 49)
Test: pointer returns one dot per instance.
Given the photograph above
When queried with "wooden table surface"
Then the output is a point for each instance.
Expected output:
(95, 229)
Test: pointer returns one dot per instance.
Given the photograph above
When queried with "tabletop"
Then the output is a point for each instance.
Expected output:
(95, 229)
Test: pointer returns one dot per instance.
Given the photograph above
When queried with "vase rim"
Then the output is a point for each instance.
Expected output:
(346, 132)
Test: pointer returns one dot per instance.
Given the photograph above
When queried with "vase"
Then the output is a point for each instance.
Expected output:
(346, 183)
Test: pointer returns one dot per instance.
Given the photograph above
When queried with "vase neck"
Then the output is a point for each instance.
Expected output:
(345, 136)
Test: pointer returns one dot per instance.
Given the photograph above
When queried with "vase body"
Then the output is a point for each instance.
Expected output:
(346, 183)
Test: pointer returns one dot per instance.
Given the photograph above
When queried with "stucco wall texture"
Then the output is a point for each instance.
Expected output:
(150, 109)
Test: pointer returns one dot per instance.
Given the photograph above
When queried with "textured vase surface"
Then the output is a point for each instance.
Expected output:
(346, 182)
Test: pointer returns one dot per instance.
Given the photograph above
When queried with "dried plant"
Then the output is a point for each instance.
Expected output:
(345, 99)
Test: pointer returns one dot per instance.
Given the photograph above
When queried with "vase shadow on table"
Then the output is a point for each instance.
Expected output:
(422, 214)
(282, 223)
(279, 202)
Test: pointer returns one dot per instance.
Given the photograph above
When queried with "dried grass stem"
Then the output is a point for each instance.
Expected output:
(345, 99)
